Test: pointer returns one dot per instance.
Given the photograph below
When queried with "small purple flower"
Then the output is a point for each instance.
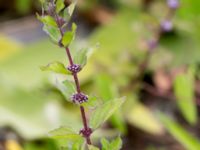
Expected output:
(74, 68)
(152, 44)
(166, 25)
(173, 4)
(61, 21)
(51, 9)
(79, 98)
(86, 132)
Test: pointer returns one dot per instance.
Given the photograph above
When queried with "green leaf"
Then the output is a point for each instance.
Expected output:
(67, 88)
(105, 144)
(56, 67)
(71, 8)
(65, 133)
(184, 137)
(108, 90)
(116, 144)
(69, 36)
(91, 147)
(53, 32)
(47, 20)
(184, 92)
(102, 113)
(81, 57)
(59, 5)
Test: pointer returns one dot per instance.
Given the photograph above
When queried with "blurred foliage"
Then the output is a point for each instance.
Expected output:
(28, 96)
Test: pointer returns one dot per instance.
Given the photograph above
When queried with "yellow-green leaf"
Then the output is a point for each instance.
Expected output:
(47, 20)
(184, 92)
(65, 133)
(69, 36)
(56, 67)
(59, 5)
(139, 115)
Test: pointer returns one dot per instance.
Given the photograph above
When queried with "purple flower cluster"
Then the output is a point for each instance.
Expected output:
(166, 25)
(86, 132)
(79, 98)
(74, 68)
(173, 4)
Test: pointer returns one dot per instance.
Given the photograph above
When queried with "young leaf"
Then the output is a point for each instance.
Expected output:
(67, 88)
(71, 8)
(69, 36)
(184, 92)
(185, 138)
(81, 57)
(47, 20)
(53, 32)
(59, 5)
(56, 67)
(65, 133)
(105, 144)
(91, 147)
(102, 113)
(116, 144)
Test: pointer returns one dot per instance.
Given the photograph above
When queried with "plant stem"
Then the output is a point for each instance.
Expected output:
(75, 76)
(83, 115)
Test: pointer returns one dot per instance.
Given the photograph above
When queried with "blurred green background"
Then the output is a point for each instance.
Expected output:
(162, 107)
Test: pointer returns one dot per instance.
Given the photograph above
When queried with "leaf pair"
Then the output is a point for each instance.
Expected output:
(116, 144)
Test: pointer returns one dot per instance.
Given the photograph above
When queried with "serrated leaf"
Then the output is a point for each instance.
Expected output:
(65, 133)
(71, 8)
(67, 88)
(183, 136)
(105, 144)
(184, 92)
(69, 36)
(59, 5)
(103, 112)
(81, 57)
(47, 20)
(53, 32)
(116, 144)
(56, 67)
(91, 147)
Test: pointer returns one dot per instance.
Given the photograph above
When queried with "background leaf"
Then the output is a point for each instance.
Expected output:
(184, 92)
(185, 138)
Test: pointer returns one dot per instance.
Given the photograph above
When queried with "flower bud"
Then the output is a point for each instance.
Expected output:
(79, 98)
(173, 4)
(152, 44)
(74, 68)
(61, 21)
(166, 26)
(86, 132)
(51, 9)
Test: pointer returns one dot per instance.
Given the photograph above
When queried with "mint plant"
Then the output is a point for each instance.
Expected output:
(55, 18)
(166, 25)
